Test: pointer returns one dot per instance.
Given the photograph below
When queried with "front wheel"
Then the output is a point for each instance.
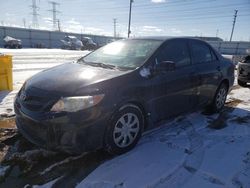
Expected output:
(220, 98)
(125, 130)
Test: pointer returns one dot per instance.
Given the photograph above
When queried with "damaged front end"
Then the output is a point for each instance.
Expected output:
(40, 120)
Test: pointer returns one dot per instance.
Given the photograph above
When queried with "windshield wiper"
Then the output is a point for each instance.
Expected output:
(103, 65)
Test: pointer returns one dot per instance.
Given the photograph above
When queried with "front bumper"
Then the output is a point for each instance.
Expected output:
(67, 132)
(244, 72)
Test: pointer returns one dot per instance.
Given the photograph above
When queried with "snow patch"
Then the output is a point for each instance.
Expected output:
(47, 185)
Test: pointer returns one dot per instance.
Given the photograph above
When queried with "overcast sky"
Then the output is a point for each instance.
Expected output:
(149, 17)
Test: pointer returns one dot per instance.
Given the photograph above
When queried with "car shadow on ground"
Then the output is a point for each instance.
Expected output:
(22, 163)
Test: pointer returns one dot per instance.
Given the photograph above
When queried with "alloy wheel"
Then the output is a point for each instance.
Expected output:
(126, 130)
(221, 97)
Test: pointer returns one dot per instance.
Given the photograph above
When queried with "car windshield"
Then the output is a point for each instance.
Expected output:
(124, 53)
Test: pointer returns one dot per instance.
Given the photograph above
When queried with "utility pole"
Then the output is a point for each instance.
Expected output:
(217, 32)
(24, 22)
(34, 8)
(54, 12)
(59, 25)
(235, 16)
(114, 27)
(129, 19)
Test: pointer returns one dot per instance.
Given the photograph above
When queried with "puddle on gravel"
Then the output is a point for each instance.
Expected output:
(221, 121)
(8, 123)
(30, 165)
(233, 102)
(69, 170)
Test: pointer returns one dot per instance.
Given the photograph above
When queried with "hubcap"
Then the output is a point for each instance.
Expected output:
(221, 98)
(126, 130)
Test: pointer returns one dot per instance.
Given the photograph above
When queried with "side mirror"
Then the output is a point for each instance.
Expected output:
(165, 66)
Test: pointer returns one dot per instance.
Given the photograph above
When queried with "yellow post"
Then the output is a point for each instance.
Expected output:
(6, 79)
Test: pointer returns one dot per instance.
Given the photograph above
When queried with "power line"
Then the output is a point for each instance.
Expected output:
(34, 8)
(235, 16)
(188, 5)
(201, 10)
(180, 3)
(54, 12)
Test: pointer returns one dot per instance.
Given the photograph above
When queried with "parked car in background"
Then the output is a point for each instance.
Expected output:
(88, 43)
(10, 42)
(244, 71)
(108, 98)
(71, 43)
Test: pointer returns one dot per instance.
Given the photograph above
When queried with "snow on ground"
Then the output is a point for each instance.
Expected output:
(186, 153)
(26, 63)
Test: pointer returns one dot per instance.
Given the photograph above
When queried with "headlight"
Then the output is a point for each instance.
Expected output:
(73, 104)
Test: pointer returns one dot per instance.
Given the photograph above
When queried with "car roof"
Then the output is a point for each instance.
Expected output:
(165, 38)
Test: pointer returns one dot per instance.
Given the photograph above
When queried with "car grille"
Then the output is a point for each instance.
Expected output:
(34, 99)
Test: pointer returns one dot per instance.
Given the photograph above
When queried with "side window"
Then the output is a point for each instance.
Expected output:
(176, 51)
(214, 57)
(201, 52)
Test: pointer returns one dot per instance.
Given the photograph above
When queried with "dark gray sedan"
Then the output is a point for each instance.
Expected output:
(109, 97)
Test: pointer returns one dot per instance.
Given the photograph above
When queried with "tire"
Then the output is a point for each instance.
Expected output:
(241, 83)
(124, 130)
(220, 98)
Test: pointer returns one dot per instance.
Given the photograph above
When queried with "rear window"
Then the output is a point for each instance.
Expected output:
(201, 52)
(214, 56)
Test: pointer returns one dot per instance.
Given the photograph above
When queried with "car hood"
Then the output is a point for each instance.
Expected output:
(71, 77)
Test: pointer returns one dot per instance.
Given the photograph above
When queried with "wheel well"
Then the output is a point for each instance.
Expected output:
(140, 107)
(225, 81)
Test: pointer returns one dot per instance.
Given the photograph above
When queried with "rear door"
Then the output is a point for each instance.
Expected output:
(208, 70)
(173, 90)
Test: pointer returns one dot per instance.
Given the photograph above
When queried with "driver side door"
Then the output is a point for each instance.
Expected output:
(173, 90)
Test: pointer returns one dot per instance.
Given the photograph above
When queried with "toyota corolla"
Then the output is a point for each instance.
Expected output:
(109, 97)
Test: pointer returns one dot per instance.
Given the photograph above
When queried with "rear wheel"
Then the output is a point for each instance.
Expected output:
(220, 98)
(125, 130)
(241, 83)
